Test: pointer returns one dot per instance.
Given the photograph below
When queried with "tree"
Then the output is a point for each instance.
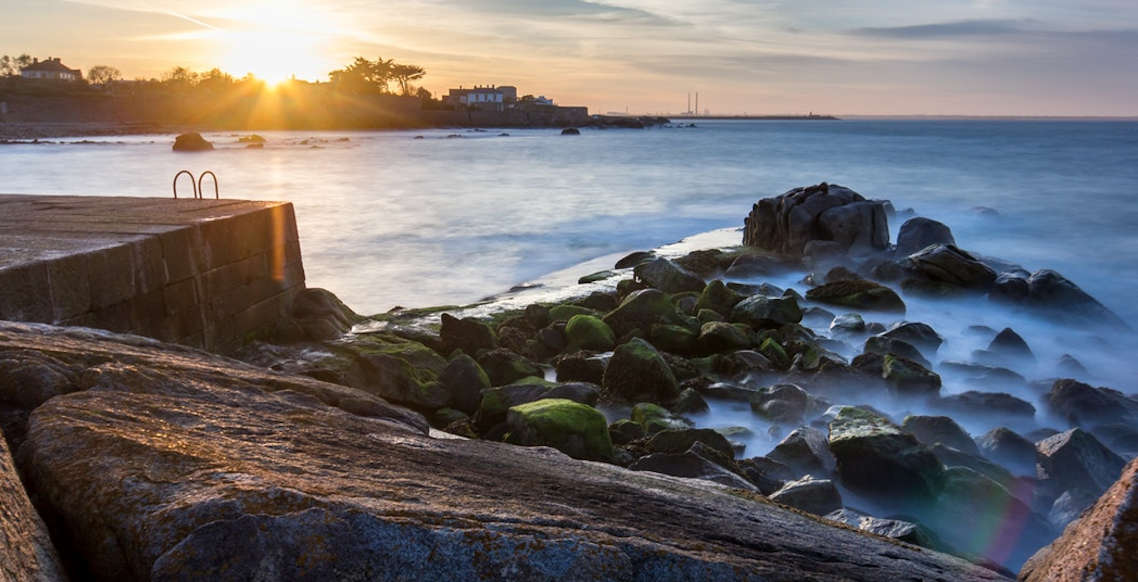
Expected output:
(423, 94)
(12, 65)
(404, 74)
(103, 75)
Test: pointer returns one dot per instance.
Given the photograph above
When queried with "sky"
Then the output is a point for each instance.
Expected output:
(883, 57)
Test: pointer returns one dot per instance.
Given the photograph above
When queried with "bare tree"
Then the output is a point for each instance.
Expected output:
(404, 74)
(103, 75)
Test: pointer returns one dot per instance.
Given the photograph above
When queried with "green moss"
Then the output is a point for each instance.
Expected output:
(673, 338)
(589, 333)
(718, 297)
(575, 429)
(413, 353)
(566, 311)
(775, 353)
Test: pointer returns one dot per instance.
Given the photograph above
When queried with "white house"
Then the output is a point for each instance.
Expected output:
(51, 69)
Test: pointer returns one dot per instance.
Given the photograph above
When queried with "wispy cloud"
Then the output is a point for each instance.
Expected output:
(946, 29)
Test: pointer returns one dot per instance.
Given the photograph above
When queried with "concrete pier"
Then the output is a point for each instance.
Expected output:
(205, 273)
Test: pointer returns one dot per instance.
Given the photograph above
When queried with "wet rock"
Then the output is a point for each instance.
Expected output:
(849, 323)
(675, 339)
(464, 380)
(980, 375)
(805, 451)
(878, 344)
(948, 264)
(655, 418)
(1075, 459)
(931, 430)
(689, 401)
(466, 334)
(570, 131)
(575, 429)
(26, 549)
(1009, 449)
(634, 258)
(1052, 291)
(1121, 438)
(909, 378)
(321, 316)
(905, 531)
(580, 367)
(640, 310)
(752, 266)
(921, 335)
(1009, 344)
(918, 233)
(719, 336)
(859, 294)
(566, 311)
(625, 431)
(1010, 288)
(1083, 405)
(774, 353)
(234, 471)
(497, 401)
(877, 459)
(191, 142)
(595, 277)
(824, 212)
(680, 440)
(718, 297)
(505, 367)
(667, 276)
(874, 327)
(785, 403)
(841, 273)
(1100, 546)
(990, 404)
(760, 311)
(951, 457)
(692, 465)
(585, 332)
(817, 496)
(1070, 366)
(601, 301)
(706, 262)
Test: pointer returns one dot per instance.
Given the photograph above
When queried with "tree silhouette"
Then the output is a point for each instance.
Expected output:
(103, 75)
(404, 74)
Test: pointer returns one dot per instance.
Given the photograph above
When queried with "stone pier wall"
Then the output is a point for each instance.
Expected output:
(205, 273)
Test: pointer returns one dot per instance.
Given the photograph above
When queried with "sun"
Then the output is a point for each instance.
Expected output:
(277, 44)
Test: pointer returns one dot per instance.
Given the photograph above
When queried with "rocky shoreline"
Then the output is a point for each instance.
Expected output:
(561, 440)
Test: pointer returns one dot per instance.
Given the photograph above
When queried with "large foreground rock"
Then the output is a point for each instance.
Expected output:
(183, 465)
(1100, 545)
(26, 551)
(825, 212)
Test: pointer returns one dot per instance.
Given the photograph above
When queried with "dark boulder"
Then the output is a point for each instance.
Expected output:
(580, 367)
(986, 404)
(570, 131)
(931, 430)
(784, 403)
(849, 323)
(691, 464)
(1077, 460)
(667, 276)
(718, 297)
(466, 334)
(785, 224)
(191, 142)
(464, 380)
(1009, 449)
(634, 258)
(918, 233)
(805, 451)
(505, 367)
(576, 429)
(680, 440)
(877, 459)
(1009, 344)
(817, 496)
(860, 294)
(637, 373)
(950, 265)
(760, 311)
(640, 310)
(1010, 288)
(909, 378)
(921, 335)
(1050, 290)
(879, 344)
(1083, 405)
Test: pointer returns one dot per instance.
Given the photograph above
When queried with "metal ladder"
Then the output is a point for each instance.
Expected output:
(199, 193)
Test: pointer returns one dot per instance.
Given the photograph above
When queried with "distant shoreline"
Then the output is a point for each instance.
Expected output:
(757, 118)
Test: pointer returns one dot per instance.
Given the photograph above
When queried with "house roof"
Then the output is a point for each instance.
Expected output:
(52, 65)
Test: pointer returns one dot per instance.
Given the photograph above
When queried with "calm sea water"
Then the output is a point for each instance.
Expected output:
(387, 219)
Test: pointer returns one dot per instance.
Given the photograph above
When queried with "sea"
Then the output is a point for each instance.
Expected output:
(449, 217)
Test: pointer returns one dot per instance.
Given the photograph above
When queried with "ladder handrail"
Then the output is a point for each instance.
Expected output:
(193, 183)
(201, 191)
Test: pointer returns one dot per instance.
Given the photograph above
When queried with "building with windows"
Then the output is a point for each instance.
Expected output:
(483, 98)
(51, 69)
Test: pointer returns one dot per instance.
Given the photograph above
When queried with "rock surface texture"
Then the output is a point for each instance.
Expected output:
(176, 464)
(826, 212)
(1098, 546)
(26, 551)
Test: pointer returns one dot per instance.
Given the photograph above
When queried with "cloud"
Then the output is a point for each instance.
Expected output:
(946, 29)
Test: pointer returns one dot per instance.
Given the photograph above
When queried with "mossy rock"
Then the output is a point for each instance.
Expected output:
(466, 334)
(858, 294)
(718, 297)
(575, 429)
(398, 370)
(719, 336)
(667, 276)
(414, 353)
(594, 277)
(587, 332)
(775, 353)
(566, 311)
(877, 459)
(445, 417)
(674, 338)
(506, 367)
(705, 316)
(640, 310)
(908, 377)
(464, 380)
(625, 431)
(655, 418)
(760, 311)
(637, 372)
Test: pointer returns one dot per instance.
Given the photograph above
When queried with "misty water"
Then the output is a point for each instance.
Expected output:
(392, 219)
